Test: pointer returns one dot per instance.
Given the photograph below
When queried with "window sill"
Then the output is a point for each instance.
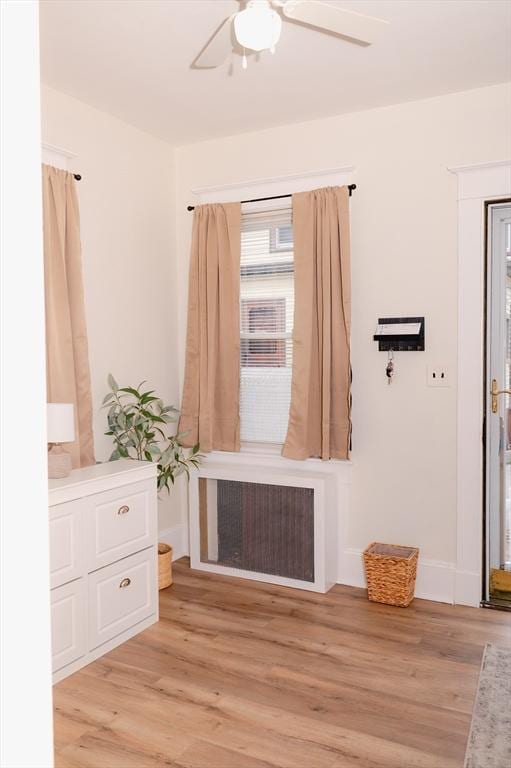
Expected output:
(266, 455)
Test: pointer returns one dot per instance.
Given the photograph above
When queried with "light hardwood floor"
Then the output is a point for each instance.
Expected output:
(239, 674)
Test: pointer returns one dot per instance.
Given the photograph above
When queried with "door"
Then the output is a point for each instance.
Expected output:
(498, 406)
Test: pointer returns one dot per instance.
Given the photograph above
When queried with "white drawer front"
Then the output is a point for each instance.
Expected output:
(66, 542)
(120, 522)
(121, 595)
(68, 615)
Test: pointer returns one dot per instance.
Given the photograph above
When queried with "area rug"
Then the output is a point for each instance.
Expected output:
(489, 741)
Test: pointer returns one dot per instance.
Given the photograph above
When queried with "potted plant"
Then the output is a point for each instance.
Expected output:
(137, 423)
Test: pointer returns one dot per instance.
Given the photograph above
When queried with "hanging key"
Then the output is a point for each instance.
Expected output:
(389, 371)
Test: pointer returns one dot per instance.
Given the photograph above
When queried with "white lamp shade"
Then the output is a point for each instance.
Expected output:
(60, 422)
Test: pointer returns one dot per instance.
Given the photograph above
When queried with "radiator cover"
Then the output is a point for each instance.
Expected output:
(258, 527)
(260, 523)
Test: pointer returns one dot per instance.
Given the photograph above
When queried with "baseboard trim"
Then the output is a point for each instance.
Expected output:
(436, 580)
(176, 538)
(467, 588)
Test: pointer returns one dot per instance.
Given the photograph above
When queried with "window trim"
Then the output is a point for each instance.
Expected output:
(276, 185)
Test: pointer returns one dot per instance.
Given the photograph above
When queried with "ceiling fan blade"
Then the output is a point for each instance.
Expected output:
(330, 18)
(218, 47)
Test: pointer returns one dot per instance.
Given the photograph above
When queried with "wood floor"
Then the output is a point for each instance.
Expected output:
(244, 675)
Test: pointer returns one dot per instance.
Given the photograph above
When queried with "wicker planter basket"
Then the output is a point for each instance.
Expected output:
(164, 566)
(390, 573)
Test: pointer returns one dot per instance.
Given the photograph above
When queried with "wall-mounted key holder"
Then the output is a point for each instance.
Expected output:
(400, 334)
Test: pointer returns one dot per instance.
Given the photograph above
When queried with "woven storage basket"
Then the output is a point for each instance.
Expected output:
(390, 573)
(164, 566)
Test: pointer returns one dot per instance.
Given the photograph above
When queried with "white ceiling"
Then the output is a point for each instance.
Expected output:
(132, 58)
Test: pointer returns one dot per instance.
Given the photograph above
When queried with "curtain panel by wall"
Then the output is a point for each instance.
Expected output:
(67, 359)
(211, 395)
(319, 417)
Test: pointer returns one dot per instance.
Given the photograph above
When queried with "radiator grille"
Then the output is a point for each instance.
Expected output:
(258, 527)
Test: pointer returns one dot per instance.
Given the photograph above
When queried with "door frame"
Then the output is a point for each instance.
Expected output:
(476, 184)
(500, 201)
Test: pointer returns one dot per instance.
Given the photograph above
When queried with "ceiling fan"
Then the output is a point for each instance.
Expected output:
(258, 26)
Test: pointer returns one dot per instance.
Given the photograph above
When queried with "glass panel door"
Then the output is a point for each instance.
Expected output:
(498, 409)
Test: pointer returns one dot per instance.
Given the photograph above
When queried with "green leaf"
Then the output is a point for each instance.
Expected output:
(169, 409)
(112, 383)
(148, 397)
(153, 416)
(148, 456)
(114, 455)
(154, 450)
(107, 398)
(131, 391)
(112, 410)
(195, 449)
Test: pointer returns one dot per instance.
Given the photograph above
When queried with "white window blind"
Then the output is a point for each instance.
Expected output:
(266, 323)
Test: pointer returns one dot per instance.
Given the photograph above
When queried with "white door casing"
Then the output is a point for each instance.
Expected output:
(476, 185)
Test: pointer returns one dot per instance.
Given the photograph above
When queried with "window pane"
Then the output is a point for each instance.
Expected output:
(267, 307)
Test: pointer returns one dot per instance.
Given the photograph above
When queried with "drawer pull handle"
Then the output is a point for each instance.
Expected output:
(124, 583)
(123, 510)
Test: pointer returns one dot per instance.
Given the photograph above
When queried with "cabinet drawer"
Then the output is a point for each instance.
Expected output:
(68, 642)
(121, 595)
(120, 522)
(66, 542)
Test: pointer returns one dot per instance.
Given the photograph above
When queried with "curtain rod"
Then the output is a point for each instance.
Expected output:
(351, 187)
(77, 176)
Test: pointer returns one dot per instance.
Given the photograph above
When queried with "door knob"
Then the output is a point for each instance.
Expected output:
(495, 392)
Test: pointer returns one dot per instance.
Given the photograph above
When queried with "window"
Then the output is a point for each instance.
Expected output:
(266, 323)
(283, 238)
(262, 317)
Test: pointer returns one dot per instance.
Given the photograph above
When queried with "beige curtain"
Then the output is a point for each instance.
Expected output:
(210, 405)
(67, 361)
(319, 418)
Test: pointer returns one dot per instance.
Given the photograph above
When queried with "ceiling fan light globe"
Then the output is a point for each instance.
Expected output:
(258, 27)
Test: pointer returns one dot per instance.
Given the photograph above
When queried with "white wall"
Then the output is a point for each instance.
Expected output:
(404, 262)
(404, 220)
(26, 734)
(128, 241)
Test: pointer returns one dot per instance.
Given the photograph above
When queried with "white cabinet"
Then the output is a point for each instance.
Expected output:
(66, 542)
(68, 636)
(121, 595)
(120, 522)
(103, 560)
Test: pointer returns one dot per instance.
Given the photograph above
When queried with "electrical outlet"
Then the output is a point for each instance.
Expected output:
(438, 376)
